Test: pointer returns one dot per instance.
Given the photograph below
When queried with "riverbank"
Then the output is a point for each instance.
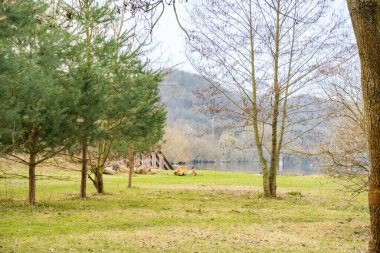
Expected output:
(212, 212)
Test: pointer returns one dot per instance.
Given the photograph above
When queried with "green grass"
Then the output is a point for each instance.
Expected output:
(212, 212)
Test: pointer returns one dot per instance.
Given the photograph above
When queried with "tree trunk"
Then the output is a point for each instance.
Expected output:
(273, 175)
(365, 16)
(102, 155)
(99, 180)
(32, 178)
(276, 106)
(131, 164)
(32, 165)
(83, 184)
(258, 141)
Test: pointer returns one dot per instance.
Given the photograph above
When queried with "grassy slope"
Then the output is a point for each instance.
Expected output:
(213, 212)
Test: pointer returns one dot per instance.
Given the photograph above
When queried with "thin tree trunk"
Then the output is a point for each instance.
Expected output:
(83, 184)
(258, 141)
(84, 6)
(32, 178)
(365, 16)
(102, 155)
(276, 104)
(32, 165)
(131, 164)
(285, 104)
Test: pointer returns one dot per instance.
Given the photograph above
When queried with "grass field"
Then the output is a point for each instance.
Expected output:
(212, 212)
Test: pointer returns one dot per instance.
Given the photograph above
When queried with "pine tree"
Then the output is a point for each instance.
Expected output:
(89, 70)
(145, 123)
(133, 114)
(118, 94)
(36, 103)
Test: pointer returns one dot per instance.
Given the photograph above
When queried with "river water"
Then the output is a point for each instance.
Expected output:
(288, 165)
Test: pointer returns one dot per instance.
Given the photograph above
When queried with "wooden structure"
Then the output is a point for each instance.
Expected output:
(155, 160)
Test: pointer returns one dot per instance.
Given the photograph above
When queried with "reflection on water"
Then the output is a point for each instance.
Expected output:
(288, 165)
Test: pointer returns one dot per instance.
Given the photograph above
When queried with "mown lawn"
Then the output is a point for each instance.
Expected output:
(212, 212)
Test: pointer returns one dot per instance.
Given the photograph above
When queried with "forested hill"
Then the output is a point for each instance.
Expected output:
(189, 130)
(178, 93)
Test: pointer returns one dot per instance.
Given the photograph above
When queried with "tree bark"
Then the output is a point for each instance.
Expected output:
(276, 106)
(131, 164)
(365, 16)
(102, 156)
(99, 180)
(83, 184)
(32, 165)
(258, 141)
(32, 178)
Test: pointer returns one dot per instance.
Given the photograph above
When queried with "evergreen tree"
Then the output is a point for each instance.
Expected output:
(89, 70)
(118, 94)
(144, 125)
(134, 114)
(36, 103)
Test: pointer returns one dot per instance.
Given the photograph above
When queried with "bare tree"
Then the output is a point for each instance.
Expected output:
(345, 151)
(263, 56)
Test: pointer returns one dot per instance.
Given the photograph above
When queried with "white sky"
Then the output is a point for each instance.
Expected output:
(171, 39)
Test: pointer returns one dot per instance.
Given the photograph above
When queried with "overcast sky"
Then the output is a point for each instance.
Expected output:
(171, 39)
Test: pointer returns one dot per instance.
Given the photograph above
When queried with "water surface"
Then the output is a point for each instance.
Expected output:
(288, 165)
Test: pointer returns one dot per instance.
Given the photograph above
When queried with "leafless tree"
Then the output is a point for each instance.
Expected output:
(264, 56)
(345, 152)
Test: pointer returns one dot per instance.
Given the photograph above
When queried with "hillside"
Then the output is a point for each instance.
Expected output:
(188, 132)
(192, 133)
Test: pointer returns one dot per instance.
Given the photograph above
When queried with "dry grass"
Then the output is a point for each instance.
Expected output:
(212, 212)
